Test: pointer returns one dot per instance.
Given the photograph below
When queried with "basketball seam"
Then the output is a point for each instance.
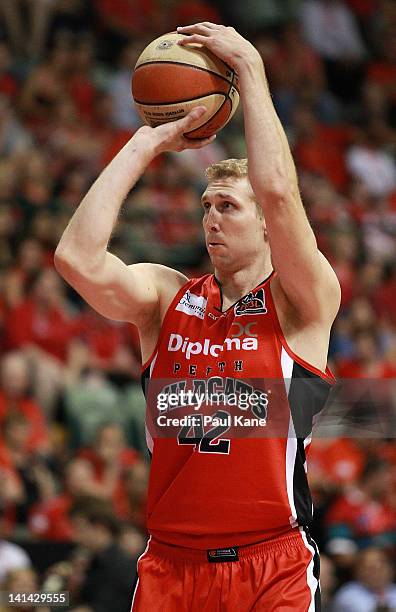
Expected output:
(186, 135)
(189, 66)
(205, 95)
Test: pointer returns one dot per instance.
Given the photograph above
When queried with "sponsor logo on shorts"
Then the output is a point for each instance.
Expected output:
(220, 555)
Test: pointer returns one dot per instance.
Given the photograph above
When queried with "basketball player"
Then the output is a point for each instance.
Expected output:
(227, 517)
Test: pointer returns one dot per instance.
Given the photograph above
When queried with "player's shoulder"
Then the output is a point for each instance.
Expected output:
(162, 275)
(166, 281)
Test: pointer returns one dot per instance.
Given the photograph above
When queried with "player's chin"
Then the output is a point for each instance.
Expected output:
(218, 257)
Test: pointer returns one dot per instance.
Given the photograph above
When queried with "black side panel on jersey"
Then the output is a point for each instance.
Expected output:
(308, 394)
(144, 379)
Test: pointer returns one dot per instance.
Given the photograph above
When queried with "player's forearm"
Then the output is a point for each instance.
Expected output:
(271, 166)
(85, 240)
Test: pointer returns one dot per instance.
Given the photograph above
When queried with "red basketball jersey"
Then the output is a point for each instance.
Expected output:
(214, 486)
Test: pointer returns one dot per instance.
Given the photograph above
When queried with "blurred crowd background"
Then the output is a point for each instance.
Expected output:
(73, 465)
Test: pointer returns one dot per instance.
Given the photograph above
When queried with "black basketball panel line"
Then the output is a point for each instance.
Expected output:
(205, 95)
(210, 119)
(171, 63)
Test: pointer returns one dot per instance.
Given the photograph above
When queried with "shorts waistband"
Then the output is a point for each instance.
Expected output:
(169, 551)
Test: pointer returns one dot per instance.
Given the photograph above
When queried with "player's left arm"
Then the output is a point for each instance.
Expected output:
(305, 275)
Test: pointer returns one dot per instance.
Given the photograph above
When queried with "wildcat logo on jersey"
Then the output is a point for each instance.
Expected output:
(193, 305)
(252, 304)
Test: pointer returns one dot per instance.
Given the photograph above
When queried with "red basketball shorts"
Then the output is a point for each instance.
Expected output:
(279, 575)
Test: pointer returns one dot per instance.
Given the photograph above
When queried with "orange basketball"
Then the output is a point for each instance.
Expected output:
(169, 80)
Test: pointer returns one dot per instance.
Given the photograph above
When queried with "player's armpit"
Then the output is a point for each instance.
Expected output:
(120, 292)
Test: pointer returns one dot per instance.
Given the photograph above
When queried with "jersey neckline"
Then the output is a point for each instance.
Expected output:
(219, 297)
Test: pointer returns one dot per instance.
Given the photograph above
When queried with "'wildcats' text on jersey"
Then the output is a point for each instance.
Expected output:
(210, 488)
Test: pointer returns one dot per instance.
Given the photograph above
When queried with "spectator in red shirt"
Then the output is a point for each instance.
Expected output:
(8, 82)
(42, 318)
(110, 460)
(131, 503)
(321, 148)
(42, 327)
(367, 361)
(383, 70)
(30, 470)
(296, 73)
(127, 18)
(15, 397)
(81, 84)
(112, 345)
(334, 462)
(364, 513)
(30, 260)
(49, 518)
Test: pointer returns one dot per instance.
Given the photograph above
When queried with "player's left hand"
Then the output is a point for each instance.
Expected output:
(223, 41)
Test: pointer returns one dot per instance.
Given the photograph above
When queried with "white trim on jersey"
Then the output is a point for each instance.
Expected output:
(312, 582)
(134, 593)
(137, 569)
(307, 442)
(152, 364)
(291, 445)
(287, 369)
(149, 438)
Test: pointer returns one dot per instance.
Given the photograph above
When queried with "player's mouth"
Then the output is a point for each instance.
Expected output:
(213, 245)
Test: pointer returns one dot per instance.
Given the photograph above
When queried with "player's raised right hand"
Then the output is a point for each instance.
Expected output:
(169, 136)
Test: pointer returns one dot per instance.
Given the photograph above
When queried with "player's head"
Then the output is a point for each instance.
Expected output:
(233, 220)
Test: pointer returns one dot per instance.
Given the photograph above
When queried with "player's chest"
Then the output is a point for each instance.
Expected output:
(219, 344)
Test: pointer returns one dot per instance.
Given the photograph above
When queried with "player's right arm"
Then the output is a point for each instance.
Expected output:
(118, 291)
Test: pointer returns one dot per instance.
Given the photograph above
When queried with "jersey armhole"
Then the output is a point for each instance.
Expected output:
(170, 308)
(327, 375)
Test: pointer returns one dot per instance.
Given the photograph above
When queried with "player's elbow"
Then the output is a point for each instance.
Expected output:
(276, 191)
(65, 266)
(70, 265)
(61, 261)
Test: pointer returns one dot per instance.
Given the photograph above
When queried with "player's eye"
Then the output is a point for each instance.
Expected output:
(205, 206)
(227, 205)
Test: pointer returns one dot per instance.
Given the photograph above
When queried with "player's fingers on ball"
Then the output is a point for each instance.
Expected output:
(195, 114)
(200, 28)
(192, 38)
(210, 25)
(206, 141)
(188, 28)
(199, 143)
(180, 125)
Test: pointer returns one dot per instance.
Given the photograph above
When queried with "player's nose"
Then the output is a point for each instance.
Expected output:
(212, 220)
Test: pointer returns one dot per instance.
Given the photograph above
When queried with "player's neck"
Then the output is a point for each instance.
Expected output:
(234, 285)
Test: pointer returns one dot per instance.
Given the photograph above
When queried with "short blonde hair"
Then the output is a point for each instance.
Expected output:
(231, 168)
(228, 168)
